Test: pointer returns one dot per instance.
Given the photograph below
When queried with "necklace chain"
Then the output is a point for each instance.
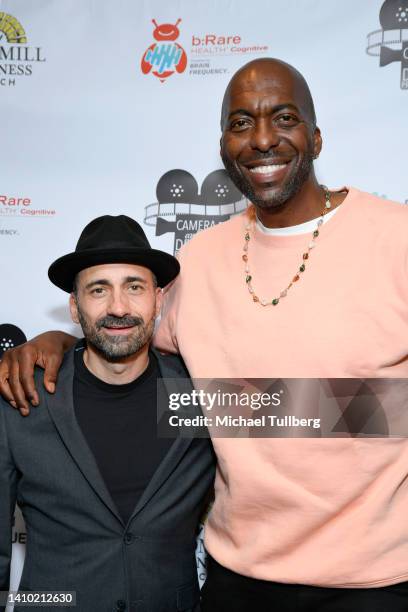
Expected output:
(247, 238)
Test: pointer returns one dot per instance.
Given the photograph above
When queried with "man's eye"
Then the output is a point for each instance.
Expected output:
(287, 119)
(98, 291)
(239, 124)
(135, 288)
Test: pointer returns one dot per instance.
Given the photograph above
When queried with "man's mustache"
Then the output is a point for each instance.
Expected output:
(118, 322)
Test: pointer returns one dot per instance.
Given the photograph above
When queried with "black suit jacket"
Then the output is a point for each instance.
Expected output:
(76, 539)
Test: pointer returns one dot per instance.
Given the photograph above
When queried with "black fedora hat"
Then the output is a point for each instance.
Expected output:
(110, 239)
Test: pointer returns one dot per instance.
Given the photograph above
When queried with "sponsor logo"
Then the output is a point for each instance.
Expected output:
(19, 535)
(10, 336)
(17, 59)
(183, 211)
(200, 548)
(21, 206)
(209, 51)
(390, 43)
(201, 556)
(165, 56)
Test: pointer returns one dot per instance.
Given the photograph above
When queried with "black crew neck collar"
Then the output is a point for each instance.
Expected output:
(82, 373)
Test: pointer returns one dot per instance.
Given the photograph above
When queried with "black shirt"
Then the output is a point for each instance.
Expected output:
(119, 423)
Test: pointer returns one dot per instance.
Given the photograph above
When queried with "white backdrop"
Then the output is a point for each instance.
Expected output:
(85, 131)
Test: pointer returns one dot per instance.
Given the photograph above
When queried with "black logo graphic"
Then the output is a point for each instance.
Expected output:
(182, 210)
(10, 336)
(391, 42)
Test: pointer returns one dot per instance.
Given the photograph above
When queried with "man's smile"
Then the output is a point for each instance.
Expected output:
(266, 171)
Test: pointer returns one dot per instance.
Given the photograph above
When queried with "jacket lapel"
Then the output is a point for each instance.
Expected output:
(61, 409)
(175, 379)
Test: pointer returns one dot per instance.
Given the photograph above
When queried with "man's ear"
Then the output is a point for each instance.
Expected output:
(317, 142)
(73, 308)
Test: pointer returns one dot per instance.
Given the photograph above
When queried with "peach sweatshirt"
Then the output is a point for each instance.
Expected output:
(327, 512)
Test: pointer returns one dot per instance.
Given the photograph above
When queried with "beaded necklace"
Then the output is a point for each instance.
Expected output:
(248, 277)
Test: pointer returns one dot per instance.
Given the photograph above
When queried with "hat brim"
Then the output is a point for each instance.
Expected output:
(63, 271)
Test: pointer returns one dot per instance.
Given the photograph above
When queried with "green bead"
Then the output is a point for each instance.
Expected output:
(248, 279)
(247, 237)
(315, 233)
(302, 268)
(275, 301)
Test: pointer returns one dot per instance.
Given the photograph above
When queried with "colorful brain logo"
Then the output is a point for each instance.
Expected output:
(165, 56)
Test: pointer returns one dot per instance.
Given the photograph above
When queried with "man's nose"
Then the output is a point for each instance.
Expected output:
(264, 136)
(118, 304)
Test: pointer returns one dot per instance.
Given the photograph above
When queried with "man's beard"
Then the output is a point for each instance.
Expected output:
(115, 348)
(289, 189)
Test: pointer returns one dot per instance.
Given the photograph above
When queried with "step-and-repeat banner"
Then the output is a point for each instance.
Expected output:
(114, 107)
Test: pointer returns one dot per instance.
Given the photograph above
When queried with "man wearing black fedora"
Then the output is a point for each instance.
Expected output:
(111, 509)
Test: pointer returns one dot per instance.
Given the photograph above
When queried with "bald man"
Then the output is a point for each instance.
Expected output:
(308, 282)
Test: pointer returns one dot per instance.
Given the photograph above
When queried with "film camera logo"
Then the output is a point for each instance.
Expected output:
(10, 336)
(165, 56)
(391, 42)
(181, 210)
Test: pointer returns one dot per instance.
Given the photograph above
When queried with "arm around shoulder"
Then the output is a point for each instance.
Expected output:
(17, 368)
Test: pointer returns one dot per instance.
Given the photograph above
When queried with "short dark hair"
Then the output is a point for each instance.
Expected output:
(75, 285)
